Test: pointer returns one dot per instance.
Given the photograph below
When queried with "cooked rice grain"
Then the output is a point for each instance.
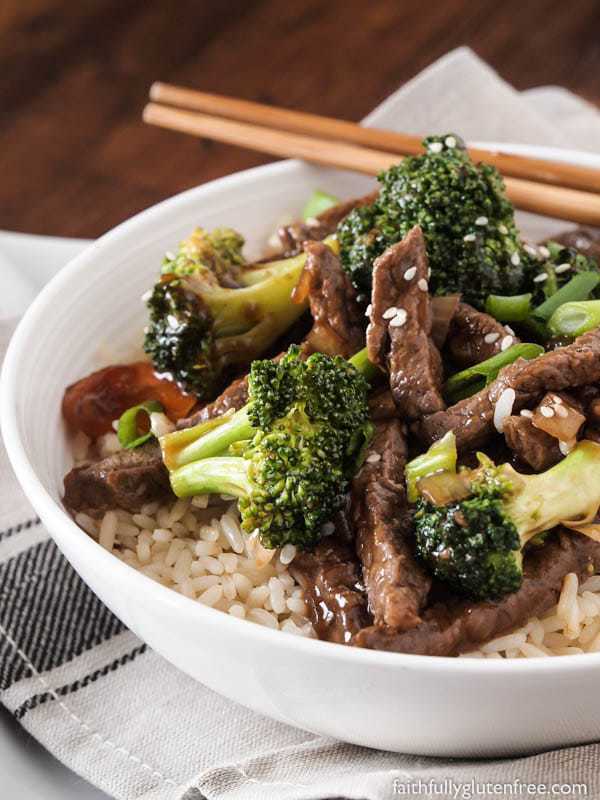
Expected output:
(570, 628)
(212, 564)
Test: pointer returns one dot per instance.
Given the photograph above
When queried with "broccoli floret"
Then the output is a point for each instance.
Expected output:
(558, 256)
(210, 313)
(468, 223)
(475, 541)
(297, 443)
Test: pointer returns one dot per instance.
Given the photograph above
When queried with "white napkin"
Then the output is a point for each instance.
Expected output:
(124, 718)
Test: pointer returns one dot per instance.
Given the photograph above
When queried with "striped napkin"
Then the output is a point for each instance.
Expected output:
(126, 720)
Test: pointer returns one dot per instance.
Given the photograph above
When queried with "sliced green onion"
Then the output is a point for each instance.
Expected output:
(469, 381)
(578, 288)
(128, 431)
(573, 319)
(441, 457)
(317, 203)
(507, 308)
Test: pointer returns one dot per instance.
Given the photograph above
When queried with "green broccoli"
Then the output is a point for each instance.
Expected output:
(210, 313)
(468, 223)
(555, 267)
(473, 536)
(289, 453)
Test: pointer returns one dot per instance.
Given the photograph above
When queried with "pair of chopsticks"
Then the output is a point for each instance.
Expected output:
(553, 189)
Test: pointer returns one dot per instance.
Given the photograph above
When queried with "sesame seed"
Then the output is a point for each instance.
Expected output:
(560, 411)
(170, 256)
(435, 147)
(450, 141)
(582, 244)
(562, 268)
(546, 411)
(515, 259)
(373, 458)
(503, 229)
(410, 273)
(369, 310)
(544, 252)
(490, 338)
(470, 237)
(564, 447)
(423, 285)
(531, 250)
(390, 312)
(428, 273)
(399, 319)
(508, 329)
(543, 276)
(146, 296)
(506, 343)
(527, 413)
(556, 399)
(481, 221)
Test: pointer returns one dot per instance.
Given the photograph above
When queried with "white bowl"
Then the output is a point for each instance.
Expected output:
(415, 704)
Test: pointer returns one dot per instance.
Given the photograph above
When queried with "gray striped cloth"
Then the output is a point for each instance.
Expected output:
(126, 720)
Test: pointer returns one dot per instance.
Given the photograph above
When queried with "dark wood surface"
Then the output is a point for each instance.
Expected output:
(75, 158)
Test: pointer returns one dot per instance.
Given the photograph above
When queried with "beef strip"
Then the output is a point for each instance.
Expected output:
(338, 320)
(401, 342)
(459, 626)
(577, 364)
(531, 445)
(234, 397)
(475, 336)
(585, 240)
(396, 584)
(293, 236)
(333, 590)
(127, 479)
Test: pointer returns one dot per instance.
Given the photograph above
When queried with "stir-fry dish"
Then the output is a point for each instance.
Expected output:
(385, 435)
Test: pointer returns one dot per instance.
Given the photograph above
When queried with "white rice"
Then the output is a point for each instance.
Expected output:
(199, 551)
(572, 627)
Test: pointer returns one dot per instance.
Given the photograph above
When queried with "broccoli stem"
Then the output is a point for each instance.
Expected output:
(253, 275)
(573, 319)
(515, 308)
(469, 381)
(220, 475)
(317, 203)
(578, 288)
(361, 362)
(201, 442)
(568, 492)
(441, 457)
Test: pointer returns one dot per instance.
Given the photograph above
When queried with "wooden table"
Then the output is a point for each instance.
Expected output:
(75, 158)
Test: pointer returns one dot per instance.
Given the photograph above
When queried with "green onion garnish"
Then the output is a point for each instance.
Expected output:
(317, 203)
(578, 288)
(506, 308)
(469, 381)
(573, 319)
(128, 430)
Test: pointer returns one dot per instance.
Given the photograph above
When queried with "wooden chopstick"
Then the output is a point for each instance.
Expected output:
(551, 201)
(534, 169)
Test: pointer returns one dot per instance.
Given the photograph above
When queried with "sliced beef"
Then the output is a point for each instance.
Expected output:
(333, 589)
(234, 397)
(127, 479)
(458, 626)
(399, 334)
(338, 320)
(530, 444)
(293, 236)
(475, 336)
(577, 364)
(585, 240)
(396, 584)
